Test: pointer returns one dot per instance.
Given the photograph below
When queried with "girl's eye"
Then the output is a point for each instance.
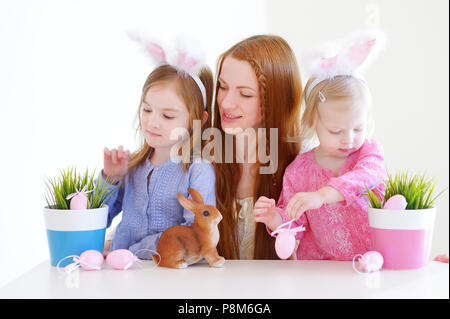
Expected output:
(335, 133)
(246, 95)
(147, 110)
(168, 117)
(358, 129)
(221, 87)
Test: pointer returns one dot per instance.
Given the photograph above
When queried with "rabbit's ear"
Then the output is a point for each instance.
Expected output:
(187, 203)
(150, 46)
(359, 53)
(327, 64)
(196, 195)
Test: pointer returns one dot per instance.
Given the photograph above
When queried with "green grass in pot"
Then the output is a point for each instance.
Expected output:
(417, 189)
(69, 182)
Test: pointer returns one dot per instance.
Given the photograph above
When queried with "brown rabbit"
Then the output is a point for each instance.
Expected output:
(181, 246)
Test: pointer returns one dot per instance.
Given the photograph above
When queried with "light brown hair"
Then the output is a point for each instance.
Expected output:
(280, 89)
(190, 93)
(338, 88)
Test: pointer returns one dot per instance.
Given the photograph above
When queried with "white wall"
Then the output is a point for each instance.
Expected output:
(70, 83)
(409, 80)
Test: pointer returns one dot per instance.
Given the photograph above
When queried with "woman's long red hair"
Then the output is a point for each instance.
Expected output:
(280, 87)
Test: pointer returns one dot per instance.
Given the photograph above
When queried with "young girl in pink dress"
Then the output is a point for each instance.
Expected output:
(323, 189)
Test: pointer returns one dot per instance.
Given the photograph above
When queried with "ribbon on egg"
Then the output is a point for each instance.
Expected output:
(78, 200)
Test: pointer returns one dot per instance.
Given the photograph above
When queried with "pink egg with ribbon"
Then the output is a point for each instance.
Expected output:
(285, 242)
(371, 261)
(121, 259)
(90, 260)
(79, 199)
(397, 202)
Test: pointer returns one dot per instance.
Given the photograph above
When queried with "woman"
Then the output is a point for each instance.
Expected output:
(258, 87)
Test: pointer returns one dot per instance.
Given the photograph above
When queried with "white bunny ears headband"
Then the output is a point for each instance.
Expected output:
(349, 56)
(188, 57)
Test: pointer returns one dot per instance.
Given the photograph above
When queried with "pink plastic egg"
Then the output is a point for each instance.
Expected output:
(371, 261)
(285, 244)
(397, 202)
(79, 201)
(121, 259)
(91, 260)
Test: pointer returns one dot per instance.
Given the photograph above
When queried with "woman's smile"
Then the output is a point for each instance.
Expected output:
(227, 117)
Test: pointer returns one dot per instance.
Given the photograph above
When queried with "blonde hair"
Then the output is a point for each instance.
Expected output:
(191, 95)
(339, 88)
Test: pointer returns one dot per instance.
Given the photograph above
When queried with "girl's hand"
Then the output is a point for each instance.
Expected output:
(115, 163)
(107, 248)
(301, 202)
(265, 212)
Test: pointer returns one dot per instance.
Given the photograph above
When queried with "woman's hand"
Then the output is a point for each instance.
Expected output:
(265, 212)
(115, 163)
(301, 202)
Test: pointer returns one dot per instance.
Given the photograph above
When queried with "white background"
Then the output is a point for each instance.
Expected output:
(70, 83)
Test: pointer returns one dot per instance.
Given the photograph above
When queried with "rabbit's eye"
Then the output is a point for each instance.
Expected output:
(205, 213)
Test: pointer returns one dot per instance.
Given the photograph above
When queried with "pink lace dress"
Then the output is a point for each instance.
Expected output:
(335, 231)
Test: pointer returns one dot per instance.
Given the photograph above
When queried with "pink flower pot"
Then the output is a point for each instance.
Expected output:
(403, 237)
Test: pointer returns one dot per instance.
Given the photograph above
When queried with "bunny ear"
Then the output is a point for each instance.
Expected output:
(190, 55)
(327, 64)
(363, 47)
(186, 62)
(150, 46)
(187, 203)
(359, 53)
(196, 195)
(156, 51)
(348, 56)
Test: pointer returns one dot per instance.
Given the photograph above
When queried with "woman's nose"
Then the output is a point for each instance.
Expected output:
(228, 101)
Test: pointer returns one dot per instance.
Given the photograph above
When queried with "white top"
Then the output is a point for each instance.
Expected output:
(246, 228)
(238, 279)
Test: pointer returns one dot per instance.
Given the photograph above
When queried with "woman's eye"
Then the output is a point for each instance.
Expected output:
(246, 95)
(147, 110)
(358, 129)
(168, 117)
(335, 132)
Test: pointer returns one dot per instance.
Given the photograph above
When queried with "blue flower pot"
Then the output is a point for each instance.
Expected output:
(71, 232)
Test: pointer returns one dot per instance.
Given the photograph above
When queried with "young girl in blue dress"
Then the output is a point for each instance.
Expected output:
(146, 183)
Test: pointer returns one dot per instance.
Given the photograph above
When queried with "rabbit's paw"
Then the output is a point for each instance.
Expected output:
(219, 262)
(181, 264)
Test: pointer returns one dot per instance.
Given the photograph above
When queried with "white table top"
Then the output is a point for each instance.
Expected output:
(238, 279)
